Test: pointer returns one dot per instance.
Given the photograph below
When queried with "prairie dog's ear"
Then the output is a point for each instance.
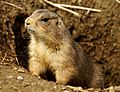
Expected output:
(60, 22)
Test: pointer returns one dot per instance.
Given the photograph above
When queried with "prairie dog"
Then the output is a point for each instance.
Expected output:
(52, 48)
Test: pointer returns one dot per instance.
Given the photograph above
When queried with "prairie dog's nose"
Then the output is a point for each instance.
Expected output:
(27, 22)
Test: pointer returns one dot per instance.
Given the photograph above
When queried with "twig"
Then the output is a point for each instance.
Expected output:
(5, 64)
(58, 6)
(17, 61)
(87, 12)
(78, 7)
(64, 7)
(68, 10)
(4, 57)
(118, 1)
(12, 5)
(2, 62)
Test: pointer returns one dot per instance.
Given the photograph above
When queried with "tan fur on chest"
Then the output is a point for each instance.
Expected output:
(47, 56)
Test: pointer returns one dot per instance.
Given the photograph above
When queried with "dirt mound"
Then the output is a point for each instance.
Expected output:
(97, 33)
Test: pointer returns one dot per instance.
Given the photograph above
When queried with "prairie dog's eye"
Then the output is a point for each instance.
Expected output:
(45, 19)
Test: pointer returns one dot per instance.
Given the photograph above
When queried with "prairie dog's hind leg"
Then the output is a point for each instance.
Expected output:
(64, 76)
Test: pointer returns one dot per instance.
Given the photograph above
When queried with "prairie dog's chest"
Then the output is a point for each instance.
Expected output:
(49, 56)
(43, 53)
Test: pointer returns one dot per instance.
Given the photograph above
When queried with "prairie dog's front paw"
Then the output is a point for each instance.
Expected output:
(36, 76)
(34, 73)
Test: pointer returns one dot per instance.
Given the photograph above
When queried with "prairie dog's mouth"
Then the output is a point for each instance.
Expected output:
(30, 30)
(29, 24)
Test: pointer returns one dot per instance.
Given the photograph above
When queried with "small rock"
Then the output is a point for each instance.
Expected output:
(20, 78)
(66, 91)
(111, 89)
(39, 77)
(15, 68)
(20, 70)
(41, 83)
(75, 88)
(90, 89)
(78, 89)
(55, 87)
(9, 77)
(33, 83)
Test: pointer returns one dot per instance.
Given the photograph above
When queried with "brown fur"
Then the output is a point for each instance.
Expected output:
(52, 48)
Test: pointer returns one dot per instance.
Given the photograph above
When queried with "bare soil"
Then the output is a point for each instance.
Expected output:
(10, 81)
(97, 33)
(17, 79)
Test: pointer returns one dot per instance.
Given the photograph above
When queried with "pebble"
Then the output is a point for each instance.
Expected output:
(20, 70)
(33, 83)
(15, 68)
(66, 91)
(55, 87)
(9, 77)
(20, 78)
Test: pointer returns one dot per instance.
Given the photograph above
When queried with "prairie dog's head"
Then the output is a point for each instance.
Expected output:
(45, 24)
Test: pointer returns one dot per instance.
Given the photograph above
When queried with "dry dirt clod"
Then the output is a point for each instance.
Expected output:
(15, 68)
(20, 70)
(111, 89)
(9, 77)
(66, 91)
(75, 88)
(55, 87)
(20, 78)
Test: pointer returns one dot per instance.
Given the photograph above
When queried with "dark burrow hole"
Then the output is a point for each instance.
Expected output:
(21, 39)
